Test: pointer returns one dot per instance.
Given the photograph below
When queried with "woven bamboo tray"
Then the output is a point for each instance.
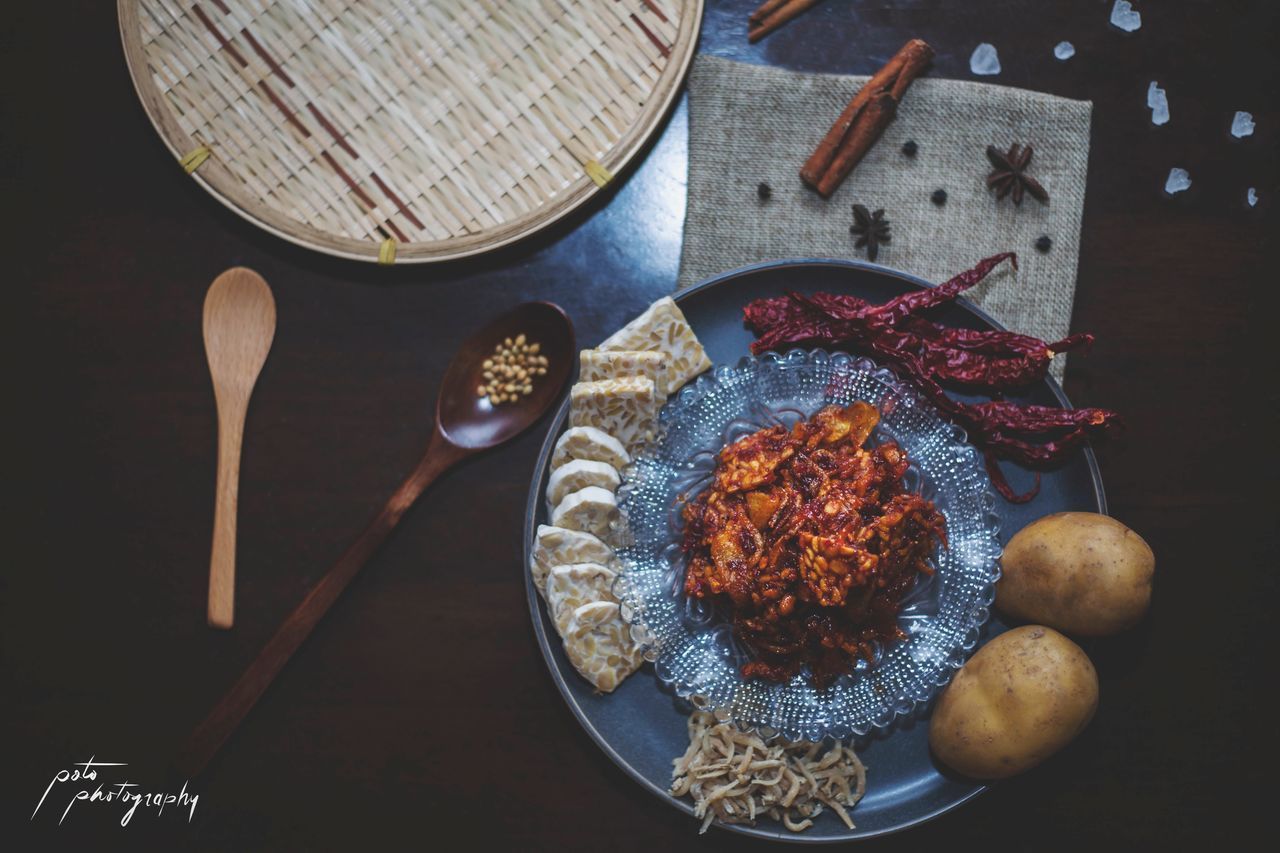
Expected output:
(406, 130)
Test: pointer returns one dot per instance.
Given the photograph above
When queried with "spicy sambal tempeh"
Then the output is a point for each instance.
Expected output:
(813, 540)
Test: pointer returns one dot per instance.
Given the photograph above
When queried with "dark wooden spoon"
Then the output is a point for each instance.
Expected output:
(466, 424)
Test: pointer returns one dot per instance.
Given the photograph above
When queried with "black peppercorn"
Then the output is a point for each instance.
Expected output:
(939, 197)
(910, 148)
(764, 191)
(1043, 243)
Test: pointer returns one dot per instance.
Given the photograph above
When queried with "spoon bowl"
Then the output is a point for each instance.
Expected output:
(470, 421)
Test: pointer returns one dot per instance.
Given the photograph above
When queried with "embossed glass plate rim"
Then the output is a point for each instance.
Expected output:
(921, 691)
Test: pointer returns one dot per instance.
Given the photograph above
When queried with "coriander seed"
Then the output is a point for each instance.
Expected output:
(509, 373)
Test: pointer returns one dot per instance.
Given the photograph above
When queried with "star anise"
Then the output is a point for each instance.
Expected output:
(1010, 175)
(872, 229)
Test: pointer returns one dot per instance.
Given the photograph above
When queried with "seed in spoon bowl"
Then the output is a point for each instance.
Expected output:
(509, 373)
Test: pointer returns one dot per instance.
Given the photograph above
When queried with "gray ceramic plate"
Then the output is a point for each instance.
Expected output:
(642, 728)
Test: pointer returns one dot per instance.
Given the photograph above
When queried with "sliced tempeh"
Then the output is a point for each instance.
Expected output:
(624, 408)
(557, 546)
(588, 442)
(591, 510)
(578, 474)
(599, 645)
(663, 328)
(570, 587)
(595, 365)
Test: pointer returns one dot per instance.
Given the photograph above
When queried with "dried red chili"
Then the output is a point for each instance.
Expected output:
(994, 360)
(918, 300)
(928, 354)
(1012, 360)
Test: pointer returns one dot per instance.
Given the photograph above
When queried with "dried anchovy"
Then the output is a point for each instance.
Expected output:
(722, 772)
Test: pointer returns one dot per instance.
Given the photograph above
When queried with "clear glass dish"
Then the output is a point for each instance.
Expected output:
(691, 643)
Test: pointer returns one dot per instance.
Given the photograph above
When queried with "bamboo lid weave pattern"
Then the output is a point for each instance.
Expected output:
(406, 130)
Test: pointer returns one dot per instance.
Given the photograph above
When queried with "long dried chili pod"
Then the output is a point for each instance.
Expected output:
(996, 360)
(980, 342)
(1002, 484)
(766, 313)
(991, 341)
(989, 373)
(1008, 417)
(918, 300)
(838, 306)
(1031, 455)
(994, 364)
(989, 424)
(1082, 341)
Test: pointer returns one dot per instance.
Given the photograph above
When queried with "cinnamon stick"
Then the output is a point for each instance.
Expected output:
(870, 123)
(779, 15)
(764, 11)
(892, 80)
(816, 166)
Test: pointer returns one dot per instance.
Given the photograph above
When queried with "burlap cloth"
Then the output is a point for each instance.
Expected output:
(749, 124)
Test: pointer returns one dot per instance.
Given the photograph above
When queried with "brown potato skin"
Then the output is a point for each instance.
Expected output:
(1021, 698)
(1079, 572)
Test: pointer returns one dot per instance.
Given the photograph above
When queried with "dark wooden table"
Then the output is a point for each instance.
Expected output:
(420, 711)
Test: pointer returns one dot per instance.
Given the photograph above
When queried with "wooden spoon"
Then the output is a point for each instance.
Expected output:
(465, 425)
(239, 325)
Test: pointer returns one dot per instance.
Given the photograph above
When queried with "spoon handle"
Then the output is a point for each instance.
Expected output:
(225, 717)
(222, 562)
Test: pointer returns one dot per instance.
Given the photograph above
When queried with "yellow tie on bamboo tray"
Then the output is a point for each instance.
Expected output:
(195, 158)
(387, 252)
(598, 173)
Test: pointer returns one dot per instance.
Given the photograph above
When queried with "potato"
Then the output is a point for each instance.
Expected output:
(1080, 572)
(1020, 699)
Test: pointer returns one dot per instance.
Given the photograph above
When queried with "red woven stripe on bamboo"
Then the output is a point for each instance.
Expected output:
(289, 114)
(277, 69)
(377, 179)
(360, 193)
(217, 34)
(395, 199)
(653, 7)
(266, 57)
(657, 42)
(333, 131)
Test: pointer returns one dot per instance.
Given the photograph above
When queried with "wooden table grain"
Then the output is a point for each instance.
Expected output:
(420, 713)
